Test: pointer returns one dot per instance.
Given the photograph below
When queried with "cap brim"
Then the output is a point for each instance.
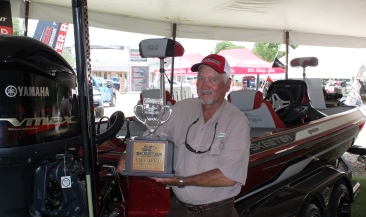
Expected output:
(195, 67)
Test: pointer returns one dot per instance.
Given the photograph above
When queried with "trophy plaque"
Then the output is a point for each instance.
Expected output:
(150, 155)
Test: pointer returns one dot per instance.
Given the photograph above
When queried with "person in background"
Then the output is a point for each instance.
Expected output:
(212, 145)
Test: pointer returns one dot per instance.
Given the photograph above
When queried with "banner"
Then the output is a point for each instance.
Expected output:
(135, 56)
(6, 25)
(52, 33)
(60, 38)
(114, 47)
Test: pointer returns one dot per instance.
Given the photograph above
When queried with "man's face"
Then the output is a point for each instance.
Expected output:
(211, 87)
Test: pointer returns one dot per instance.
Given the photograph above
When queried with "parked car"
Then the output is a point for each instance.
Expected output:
(108, 92)
(116, 83)
(98, 104)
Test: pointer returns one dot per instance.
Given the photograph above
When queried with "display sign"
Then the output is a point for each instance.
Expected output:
(139, 78)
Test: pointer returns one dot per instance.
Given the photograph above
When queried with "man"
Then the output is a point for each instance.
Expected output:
(212, 139)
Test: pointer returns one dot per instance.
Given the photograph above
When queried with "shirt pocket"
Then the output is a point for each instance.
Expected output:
(216, 147)
(210, 160)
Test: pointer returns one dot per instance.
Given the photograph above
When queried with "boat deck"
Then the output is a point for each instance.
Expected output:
(335, 109)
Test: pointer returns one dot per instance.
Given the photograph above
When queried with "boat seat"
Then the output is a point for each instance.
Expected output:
(302, 105)
(258, 111)
(155, 94)
(298, 88)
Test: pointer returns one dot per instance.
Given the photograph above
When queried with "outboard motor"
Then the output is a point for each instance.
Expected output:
(41, 170)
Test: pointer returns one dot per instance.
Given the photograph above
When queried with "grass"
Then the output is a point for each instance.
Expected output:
(358, 207)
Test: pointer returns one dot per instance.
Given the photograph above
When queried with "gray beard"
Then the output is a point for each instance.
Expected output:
(209, 102)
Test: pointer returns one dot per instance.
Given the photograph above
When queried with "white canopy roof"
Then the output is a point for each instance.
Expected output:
(335, 23)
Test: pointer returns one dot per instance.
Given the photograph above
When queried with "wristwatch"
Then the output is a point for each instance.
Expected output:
(181, 182)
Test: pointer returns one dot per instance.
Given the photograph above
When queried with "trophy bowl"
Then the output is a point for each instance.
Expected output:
(152, 114)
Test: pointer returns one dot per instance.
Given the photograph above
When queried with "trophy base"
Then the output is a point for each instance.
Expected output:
(150, 138)
(149, 158)
(159, 175)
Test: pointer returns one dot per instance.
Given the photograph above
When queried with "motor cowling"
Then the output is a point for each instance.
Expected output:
(38, 100)
(39, 120)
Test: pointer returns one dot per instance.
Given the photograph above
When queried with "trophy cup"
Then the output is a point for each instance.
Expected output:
(153, 115)
(150, 155)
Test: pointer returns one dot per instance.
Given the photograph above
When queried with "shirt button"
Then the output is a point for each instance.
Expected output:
(192, 165)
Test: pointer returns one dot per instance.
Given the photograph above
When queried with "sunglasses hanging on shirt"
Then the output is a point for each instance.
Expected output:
(190, 148)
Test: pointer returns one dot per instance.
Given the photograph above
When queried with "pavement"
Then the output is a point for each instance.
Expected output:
(127, 101)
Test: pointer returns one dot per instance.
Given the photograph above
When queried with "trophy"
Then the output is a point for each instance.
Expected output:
(150, 155)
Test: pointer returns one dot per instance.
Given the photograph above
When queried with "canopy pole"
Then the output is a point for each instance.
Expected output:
(85, 89)
(26, 17)
(287, 37)
(162, 81)
(174, 33)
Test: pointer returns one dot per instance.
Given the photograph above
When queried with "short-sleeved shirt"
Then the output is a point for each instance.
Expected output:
(229, 133)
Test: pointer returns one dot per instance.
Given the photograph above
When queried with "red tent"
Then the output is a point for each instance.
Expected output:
(242, 61)
(183, 64)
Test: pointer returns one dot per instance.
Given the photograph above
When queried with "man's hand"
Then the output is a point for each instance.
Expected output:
(121, 163)
(167, 181)
(212, 178)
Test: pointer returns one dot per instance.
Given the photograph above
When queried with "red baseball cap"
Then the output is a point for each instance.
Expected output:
(217, 62)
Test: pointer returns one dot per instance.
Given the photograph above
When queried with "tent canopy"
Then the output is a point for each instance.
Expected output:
(338, 23)
(182, 65)
(242, 62)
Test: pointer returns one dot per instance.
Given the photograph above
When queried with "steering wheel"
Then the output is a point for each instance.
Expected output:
(281, 107)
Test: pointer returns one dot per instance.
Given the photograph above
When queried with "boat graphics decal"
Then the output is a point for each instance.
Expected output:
(271, 142)
(293, 169)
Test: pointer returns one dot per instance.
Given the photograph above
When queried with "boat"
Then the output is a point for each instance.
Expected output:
(287, 136)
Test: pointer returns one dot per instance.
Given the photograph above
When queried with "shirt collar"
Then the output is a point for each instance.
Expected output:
(217, 114)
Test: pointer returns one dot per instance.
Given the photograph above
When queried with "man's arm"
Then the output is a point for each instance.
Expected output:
(211, 178)
(121, 163)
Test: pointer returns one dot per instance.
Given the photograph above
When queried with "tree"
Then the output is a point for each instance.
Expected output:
(16, 26)
(67, 55)
(225, 45)
(268, 51)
